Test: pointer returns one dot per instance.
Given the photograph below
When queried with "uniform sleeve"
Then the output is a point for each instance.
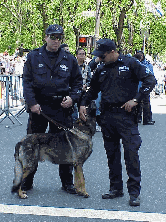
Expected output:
(147, 78)
(92, 64)
(76, 82)
(28, 90)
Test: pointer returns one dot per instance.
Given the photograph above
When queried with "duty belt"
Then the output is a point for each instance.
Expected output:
(57, 97)
(118, 109)
(54, 97)
(112, 107)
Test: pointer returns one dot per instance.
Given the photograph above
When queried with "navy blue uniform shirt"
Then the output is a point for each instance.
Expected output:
(118, 82)
(41, 78)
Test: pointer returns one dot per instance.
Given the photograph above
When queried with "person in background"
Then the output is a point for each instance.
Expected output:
(85, 69)
(117, 78)
(164, 83)
(144, 107)
(86, 75)
(94, 63)
(2, 66)
(21, 50)
(52, 82)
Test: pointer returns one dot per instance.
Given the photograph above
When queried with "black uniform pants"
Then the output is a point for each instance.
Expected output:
(38, 124)
(145, 108)
(119, 124)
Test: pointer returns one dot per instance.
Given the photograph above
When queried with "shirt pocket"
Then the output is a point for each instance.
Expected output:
(102, 77)
(124, 74)
(63, 74)
(103, 81)
(41, 73)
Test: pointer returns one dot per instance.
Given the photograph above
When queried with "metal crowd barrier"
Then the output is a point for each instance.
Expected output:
(11, 95)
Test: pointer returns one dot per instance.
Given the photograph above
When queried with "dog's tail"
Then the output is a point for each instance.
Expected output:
(17, 147)
(18, 170)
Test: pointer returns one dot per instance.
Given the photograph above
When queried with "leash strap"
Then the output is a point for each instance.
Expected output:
(59, 125)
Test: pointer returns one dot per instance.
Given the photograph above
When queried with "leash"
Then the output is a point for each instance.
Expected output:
(60, 126)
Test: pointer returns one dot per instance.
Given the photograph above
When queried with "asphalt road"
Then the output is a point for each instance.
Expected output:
(47, 186)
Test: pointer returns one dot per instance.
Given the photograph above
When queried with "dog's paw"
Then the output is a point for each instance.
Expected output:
(84, 194)
(22, 194)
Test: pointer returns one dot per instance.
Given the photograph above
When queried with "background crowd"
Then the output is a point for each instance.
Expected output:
(13, 65)
(10, 65)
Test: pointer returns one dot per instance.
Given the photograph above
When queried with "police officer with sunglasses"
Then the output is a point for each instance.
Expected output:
(117, 78)
(52, 82)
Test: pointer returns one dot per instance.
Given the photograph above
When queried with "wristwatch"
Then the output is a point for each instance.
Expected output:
(135, 100)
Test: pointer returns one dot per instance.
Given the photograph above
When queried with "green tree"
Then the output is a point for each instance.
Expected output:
(124, 21)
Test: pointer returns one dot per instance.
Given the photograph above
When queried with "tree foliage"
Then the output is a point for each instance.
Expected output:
(125, 21)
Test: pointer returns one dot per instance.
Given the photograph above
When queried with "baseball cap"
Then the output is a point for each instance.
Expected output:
(103, 45)
(54, 29)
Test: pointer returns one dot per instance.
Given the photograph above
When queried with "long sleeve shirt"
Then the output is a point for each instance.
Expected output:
(118, 82)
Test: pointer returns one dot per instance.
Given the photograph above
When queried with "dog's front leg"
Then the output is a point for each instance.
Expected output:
(79, 181)
(22, 194)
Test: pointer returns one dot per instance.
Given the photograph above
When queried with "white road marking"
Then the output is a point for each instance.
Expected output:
(84, 213)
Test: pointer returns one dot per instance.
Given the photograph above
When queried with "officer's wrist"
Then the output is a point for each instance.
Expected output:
(135, 100)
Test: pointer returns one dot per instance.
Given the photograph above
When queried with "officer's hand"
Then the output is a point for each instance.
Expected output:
(36, 109)
(82, 113)
(67, 102)
(129, 105)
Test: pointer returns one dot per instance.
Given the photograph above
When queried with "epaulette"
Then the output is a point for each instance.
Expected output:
(68, 52)
(37, 49)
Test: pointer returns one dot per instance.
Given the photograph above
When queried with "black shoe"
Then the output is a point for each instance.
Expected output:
(113, 194)
(134, 201)
(149, 123)
(69, 189)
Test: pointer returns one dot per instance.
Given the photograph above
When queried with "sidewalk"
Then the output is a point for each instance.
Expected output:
(158, 104)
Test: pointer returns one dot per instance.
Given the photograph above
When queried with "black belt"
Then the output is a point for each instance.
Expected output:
(57, 97)
(116, 109)
(112, 107)
(53, 97)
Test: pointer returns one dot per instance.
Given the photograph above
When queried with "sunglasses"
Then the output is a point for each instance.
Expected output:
(55, 36)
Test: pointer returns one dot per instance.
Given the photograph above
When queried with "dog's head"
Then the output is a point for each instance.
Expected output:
(88, 127)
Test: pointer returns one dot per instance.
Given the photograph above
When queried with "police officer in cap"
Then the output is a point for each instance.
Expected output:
(52, 82)
(117, 78)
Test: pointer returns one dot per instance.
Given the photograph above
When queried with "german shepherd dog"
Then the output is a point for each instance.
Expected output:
(66, 147)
